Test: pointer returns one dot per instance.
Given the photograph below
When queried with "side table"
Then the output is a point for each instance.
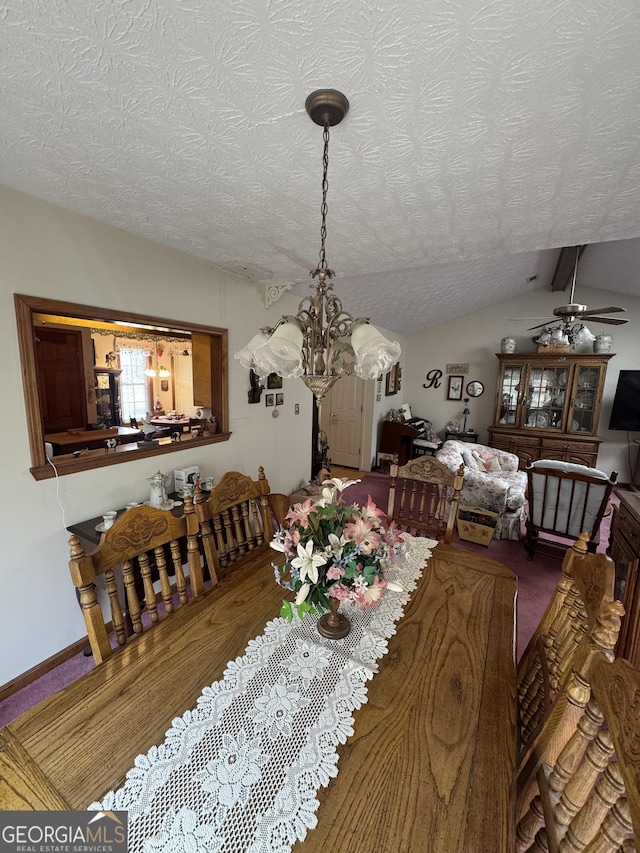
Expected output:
(470, 437)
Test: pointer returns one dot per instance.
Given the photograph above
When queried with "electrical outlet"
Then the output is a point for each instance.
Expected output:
(296, 409)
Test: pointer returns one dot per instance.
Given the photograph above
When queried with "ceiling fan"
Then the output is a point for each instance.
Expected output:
(568, 314)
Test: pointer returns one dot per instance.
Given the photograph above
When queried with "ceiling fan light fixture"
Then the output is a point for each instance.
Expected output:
(310, 345)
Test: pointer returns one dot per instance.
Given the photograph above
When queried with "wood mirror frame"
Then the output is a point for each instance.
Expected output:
(212, 364)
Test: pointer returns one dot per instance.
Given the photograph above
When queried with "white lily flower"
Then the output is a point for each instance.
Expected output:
(339, 484)
(276, 545)
(328, 496)
(303, 592)
(334, 548)
(393, 586)
(308, 562)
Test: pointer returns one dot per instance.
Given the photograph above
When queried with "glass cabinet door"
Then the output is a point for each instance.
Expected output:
(545, 401)
(583, 411)
(510, 384)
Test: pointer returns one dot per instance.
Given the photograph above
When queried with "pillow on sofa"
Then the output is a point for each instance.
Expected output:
(490, 464)
(470, 461)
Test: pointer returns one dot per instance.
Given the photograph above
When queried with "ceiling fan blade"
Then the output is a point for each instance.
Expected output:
(519, 319)
(540, 325)
(612, 321)
(610, 310)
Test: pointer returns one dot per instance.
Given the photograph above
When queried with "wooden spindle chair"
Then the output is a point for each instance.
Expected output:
(424, 496)
(585, 586)
(235, 520)
(139, 538)
(565, 499)
(589, 792)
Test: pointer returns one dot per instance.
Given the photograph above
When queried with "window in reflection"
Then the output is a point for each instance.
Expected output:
(92, 374)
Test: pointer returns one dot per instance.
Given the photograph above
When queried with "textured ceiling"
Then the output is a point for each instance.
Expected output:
(479, 136)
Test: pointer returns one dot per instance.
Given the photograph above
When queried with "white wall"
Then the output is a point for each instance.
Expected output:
(476, 338)
(48, 251)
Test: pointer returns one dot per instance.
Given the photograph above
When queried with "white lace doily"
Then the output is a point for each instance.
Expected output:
(240, 772)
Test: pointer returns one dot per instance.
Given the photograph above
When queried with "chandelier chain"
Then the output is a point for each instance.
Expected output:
(323, 207)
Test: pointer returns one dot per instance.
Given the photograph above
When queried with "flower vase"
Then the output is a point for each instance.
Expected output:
(334, 625)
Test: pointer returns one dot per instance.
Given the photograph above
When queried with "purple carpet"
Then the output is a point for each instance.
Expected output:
(537, 579)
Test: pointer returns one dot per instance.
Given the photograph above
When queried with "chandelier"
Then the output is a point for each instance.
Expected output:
(312, 344)
(158, 370)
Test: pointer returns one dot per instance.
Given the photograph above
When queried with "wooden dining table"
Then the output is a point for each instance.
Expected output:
(430, 766)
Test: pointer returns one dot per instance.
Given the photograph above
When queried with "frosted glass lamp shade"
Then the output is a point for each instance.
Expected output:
(246, 354)
(282, 352)
(584, 336)
(375, 354)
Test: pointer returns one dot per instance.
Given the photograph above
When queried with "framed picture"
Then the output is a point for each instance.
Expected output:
(164, 384)
(392, 381)
(279, 399)
(274, 381)
(454, 392)
(268, 400)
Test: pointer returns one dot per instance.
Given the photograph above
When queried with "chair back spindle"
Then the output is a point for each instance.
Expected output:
(143, 541)
(565, 499)
(235, 519)
(424, 496)
(581, 611)
(588, 795)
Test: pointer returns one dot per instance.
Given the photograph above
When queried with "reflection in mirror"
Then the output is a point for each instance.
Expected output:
(103, 386)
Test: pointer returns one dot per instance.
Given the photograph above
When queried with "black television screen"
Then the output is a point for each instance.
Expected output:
(625, 413)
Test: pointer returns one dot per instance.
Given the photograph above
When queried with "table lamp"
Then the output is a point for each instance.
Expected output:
(465, 413)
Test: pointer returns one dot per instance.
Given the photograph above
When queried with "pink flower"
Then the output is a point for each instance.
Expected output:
(334, 573)
(367, 596)
(371, 511)
(361, 532)
(393, 535)
(300, 513)
(338, 590)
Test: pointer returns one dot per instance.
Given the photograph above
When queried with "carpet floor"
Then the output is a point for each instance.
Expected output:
(537, 579)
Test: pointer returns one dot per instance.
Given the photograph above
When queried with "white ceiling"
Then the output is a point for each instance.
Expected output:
(481, 137)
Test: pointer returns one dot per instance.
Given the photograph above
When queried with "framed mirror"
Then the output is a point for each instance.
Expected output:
(95, 378)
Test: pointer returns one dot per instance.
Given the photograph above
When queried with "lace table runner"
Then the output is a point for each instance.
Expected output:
(240, 772)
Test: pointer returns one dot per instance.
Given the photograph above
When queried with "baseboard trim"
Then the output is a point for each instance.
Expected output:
(42, 668)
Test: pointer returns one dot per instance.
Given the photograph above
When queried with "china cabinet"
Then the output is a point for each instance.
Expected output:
(108, 396)
(548, 406)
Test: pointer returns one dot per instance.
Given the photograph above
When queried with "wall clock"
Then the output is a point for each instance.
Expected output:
(475, 388)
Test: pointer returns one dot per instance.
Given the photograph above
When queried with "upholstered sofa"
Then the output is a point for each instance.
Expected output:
(491, 481)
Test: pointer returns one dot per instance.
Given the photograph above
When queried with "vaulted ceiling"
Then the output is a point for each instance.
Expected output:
(481, 137)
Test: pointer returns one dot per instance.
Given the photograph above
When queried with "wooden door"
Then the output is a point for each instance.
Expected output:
(60, 378)
(341, 419)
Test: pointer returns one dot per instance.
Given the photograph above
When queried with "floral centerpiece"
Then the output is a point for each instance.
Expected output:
(335, 551)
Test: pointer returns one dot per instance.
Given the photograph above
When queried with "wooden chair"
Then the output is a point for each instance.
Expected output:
(589, 793)
(423, 497)
(136, 540)
(565, 499)
(582, 620)
(235, 520)
(585, 587)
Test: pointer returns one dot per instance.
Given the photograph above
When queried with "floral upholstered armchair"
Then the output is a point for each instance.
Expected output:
(491, 481)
